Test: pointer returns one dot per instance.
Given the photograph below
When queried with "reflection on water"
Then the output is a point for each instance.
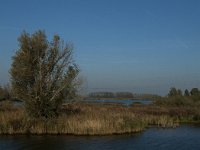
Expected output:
(182, 138)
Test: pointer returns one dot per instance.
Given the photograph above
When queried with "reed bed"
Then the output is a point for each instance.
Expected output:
(92, 119)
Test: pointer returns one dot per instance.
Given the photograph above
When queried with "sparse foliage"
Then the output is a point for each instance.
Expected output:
(43, 74)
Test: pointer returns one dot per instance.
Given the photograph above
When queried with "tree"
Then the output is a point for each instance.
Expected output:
(187, 93)
(179, 92)
(101, 95)
(174, 92)
(124, 95)
(43, 74)
(195, 92)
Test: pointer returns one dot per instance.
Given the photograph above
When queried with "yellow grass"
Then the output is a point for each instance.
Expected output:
(84, 119)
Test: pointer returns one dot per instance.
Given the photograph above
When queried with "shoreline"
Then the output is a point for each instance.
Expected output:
(108, 134)
(74, 134)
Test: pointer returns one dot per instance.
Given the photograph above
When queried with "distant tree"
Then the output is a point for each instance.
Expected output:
(195, 92)
(179, 92)
(174, 92)
(101, 95)
(124, 95)
(5, 92)
(43, 74)
(186, 93)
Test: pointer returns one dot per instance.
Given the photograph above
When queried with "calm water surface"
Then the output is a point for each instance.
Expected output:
(125, 102)
(181, 138)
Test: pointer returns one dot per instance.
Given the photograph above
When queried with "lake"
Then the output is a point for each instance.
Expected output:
(181, 138)
(125, 102)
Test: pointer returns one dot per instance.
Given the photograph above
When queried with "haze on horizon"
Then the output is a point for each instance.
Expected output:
(139, 46)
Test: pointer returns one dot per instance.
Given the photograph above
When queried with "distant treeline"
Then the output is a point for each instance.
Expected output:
(175, 97)
(178, 92)
(120, 95)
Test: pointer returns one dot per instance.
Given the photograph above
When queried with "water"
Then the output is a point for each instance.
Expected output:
(181, 138)
(125, 102)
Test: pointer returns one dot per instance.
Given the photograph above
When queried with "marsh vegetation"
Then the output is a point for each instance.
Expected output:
(95, 119)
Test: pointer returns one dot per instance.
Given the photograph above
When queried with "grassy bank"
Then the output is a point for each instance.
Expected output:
(186, 108)
(93, 119)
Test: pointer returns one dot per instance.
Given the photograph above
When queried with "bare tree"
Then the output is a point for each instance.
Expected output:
(43, 74)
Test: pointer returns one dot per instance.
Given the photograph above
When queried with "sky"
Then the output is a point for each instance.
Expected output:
(140, 46)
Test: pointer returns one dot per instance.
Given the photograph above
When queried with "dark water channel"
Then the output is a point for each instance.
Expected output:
(181, 138)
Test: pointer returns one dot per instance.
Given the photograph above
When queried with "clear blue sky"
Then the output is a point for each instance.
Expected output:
(143, 46)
